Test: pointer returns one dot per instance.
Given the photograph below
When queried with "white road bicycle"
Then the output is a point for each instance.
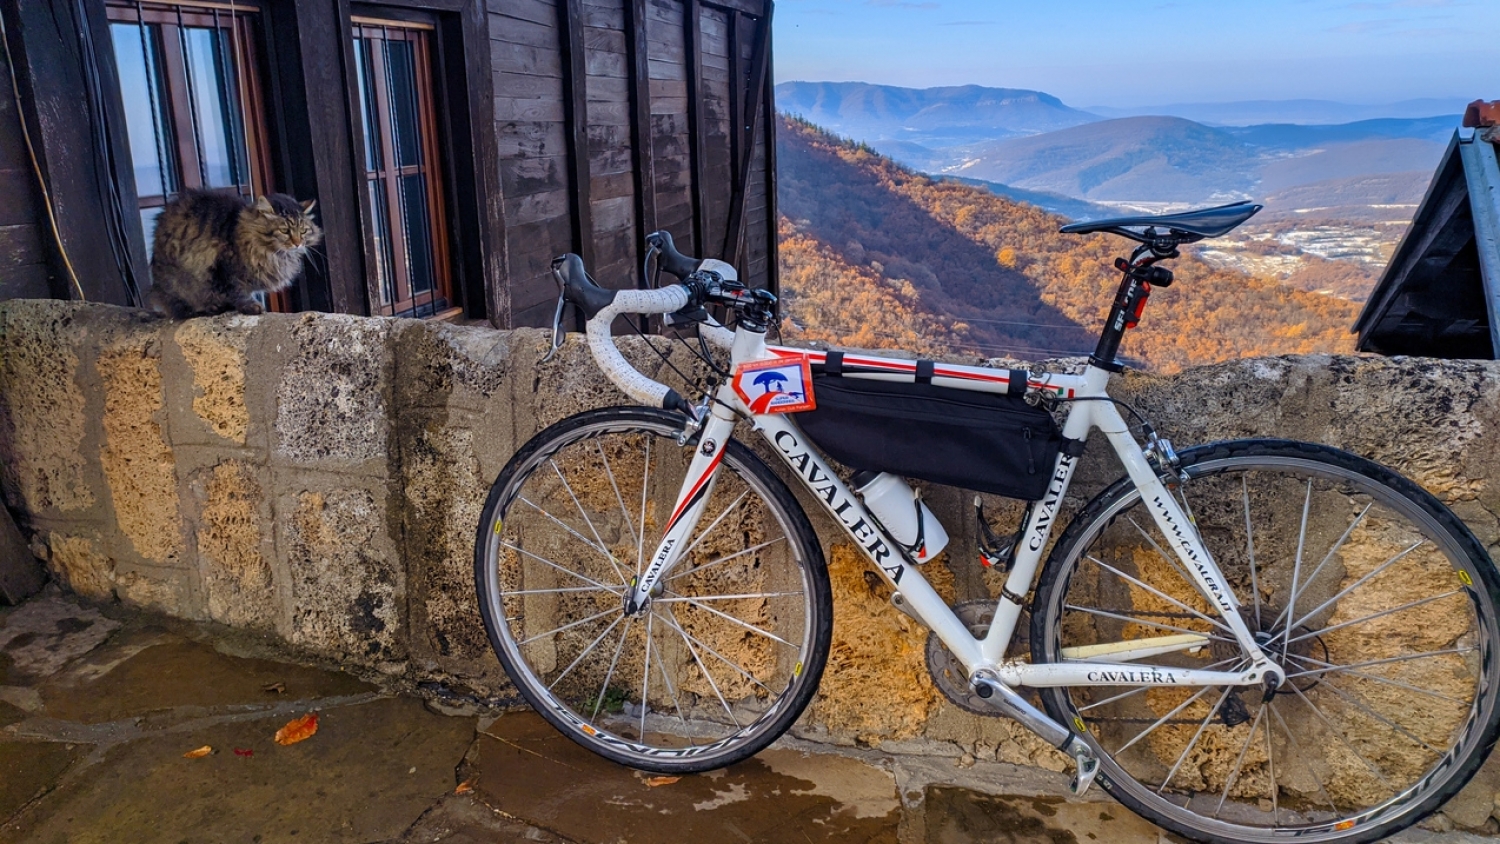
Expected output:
(1253, 640)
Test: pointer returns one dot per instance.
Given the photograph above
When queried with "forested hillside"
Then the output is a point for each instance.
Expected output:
(875, 255)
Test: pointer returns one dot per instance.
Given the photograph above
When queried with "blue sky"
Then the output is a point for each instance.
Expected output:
(1377, 51)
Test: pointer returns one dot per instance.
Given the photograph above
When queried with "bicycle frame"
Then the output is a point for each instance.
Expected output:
(1104, 664)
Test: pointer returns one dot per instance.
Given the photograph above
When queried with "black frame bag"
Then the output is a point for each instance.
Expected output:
(981, 441)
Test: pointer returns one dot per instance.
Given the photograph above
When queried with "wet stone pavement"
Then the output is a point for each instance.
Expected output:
(98, 708)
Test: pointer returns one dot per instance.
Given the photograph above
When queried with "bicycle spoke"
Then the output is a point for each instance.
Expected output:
(689, 640)
(1250, 548)
(610, 473)
(1163, 719)
(559, 590)
(1297, 565)
(676, 625)
(1356, 584)
(1374, 616)
(646, 680)
(696, 569)
(1292, 742)
(1377, 679)
(613, 590)
(1170, 557)
(569, 626)
(1194, 742)
(711, 525)
(666, 680)
(586, 520)
(580, 537)
(1157, 592)
(732, 620)
(640, 543)
(1386, 661)
(1344, 740)
(610, 674)
(1135, 620)
(1271, 766)
(1239, 762)
(1348, 531)
(1362, 707)
(585, 652)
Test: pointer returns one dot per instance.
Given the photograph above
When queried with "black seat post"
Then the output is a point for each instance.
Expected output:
(1132, 287)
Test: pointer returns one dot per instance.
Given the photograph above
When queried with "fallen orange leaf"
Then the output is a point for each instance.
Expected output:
(655, 781)
(298, 729)
(199, 753)
(465, 787)
(243, 751)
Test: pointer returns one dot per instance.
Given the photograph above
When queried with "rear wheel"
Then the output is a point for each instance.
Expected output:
(1373, 597)
(726, 655)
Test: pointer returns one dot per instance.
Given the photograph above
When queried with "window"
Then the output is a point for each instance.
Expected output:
(188, 82)
(405, 230)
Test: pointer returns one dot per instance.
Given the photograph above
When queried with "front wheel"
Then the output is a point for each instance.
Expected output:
(728, 652)
(1372, 596)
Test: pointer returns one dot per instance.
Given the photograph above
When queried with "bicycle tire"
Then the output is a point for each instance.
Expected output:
(720, 663)
(1377, 600)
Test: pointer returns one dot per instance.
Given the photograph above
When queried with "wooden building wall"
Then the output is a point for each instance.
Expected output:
(571, 126)
(617, 118)
(25, 271)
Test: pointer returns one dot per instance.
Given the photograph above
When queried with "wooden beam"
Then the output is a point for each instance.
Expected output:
(744, 133)
(481, 222)
(693, 42)
(576, 114)
(640, 126)
(768, 122)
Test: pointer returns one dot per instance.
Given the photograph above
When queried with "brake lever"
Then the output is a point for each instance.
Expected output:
(558, 335)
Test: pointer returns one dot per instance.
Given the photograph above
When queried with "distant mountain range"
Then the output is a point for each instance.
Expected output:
(1029, 141)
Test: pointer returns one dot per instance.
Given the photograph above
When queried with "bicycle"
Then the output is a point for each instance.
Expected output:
(1249, 640)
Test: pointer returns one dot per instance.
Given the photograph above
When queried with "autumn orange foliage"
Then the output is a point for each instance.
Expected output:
(873, 255)
(298, 729)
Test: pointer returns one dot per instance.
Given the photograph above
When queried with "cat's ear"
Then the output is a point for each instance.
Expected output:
(263, 205)
(307, 206)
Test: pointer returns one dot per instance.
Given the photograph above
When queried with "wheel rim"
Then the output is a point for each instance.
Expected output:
(715, 661)
(1386, 643)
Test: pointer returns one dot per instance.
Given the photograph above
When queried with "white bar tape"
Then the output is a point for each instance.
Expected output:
(665, 300)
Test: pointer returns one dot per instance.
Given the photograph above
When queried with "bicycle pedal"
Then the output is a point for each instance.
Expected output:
(1086, 768)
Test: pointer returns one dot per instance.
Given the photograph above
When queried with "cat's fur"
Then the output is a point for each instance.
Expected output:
(213, 250)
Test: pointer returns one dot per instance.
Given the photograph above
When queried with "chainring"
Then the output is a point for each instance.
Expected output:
(947, 673)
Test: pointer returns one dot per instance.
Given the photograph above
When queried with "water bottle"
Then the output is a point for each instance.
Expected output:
(903, 514)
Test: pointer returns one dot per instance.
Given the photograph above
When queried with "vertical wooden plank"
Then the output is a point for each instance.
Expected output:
(759, 84)
(693, 40)
(737, 131)
(576, 113)
(768, 120)
(640, 128)
(478, 200)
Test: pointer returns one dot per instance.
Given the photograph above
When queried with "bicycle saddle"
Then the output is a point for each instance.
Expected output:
(1184, 227)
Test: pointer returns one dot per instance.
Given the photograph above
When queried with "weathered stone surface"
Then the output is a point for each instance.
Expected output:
(321, 477)
(138, 462)
(215, 350)
(234, 548)
(43, 424)
(347, 594)
(332, 397)
(80, 565)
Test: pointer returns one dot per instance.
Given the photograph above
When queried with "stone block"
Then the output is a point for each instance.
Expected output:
(332, 399)
(42, 420)
(215, 351)
(20, 572)
(235, 546)
(139, 465)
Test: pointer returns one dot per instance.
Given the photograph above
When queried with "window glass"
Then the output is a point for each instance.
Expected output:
(418, 236)
(403, 87)
(211, 86)
(147, 124)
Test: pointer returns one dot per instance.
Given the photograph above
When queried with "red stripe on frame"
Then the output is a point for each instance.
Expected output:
(692, 494)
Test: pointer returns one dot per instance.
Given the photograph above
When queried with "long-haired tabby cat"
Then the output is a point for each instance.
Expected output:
(213, 250)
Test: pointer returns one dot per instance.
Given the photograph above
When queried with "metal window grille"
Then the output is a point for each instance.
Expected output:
(405, 229)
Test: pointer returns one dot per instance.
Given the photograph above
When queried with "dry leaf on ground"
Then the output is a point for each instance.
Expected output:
(655, 781)
(298, 729)
(199, 753)
(274, 688)
(243, 751)
(465, 787)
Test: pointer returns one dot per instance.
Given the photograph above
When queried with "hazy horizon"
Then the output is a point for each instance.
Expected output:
(1193, 52)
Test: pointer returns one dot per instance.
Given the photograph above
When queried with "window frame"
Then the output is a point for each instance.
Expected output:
(368, 26)
(244, 23)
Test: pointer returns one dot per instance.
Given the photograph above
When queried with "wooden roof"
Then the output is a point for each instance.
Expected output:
(1440, 294)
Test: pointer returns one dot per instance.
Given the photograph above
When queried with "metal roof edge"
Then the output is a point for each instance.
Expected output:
(1482, 174)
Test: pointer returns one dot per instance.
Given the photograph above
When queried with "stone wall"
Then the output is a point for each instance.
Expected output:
(317, 478)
